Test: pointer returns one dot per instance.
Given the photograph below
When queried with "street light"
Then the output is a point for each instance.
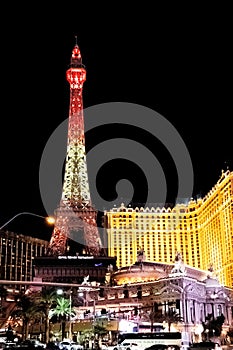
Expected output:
(49, 219)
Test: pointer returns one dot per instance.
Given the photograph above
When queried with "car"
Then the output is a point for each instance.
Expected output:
(37, 344)
(76, 346)
(52, 346)
(64, 345)
(205, 346)
(157, 347)
(110, 347)
(127, 346)
(32, 344)
(9, 345)
(70, 345)
(163, 347)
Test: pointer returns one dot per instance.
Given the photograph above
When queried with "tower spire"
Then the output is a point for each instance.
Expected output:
(76, 40)
(76, 216)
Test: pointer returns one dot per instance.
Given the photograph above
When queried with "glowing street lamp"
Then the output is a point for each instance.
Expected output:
(49, 219)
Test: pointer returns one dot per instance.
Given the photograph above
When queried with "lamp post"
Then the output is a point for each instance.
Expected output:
(49, 219)
(70, 322)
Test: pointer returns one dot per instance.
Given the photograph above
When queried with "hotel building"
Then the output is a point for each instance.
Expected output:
(201, 230)
(17, 253)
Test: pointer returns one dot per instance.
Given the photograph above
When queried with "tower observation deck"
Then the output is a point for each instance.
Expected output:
(75, 218)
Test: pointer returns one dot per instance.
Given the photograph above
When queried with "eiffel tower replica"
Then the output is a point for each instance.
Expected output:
(75, 235)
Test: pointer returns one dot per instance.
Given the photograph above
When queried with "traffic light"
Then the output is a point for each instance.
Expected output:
(135, 311)
(101, 292)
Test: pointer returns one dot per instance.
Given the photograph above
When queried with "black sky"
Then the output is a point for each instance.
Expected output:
(185, 59)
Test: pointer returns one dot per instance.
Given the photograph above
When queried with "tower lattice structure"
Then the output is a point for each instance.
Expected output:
(76, 218)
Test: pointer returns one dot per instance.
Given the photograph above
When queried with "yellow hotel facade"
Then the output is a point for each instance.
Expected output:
(202, 231)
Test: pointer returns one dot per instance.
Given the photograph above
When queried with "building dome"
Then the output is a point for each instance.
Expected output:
(212, 282)
(147, 271)
(141, 272)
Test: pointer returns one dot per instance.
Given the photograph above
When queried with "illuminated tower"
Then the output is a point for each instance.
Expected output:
(75, 217)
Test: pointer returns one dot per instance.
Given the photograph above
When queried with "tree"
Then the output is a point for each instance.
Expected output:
(3, 295)
(85, 337)
(28, 310)
(9, 334)
(172, 317)
(230, 334)
(62, 310)
(99, 332)
(152, 314)
(48, 299)
(214, 325)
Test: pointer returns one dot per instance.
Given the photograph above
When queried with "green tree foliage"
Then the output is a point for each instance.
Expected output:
(47, 300)
(172, 317)
(28, 310)
(151, 314)
(213, 325)
(3, 296)
(62, 311)
(156, 316)
(99, 332)
(230, 334)
(9, 334)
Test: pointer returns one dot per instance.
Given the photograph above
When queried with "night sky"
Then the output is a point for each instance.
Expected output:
(175, 61)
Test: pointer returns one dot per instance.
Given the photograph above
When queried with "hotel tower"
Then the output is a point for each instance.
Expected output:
(202, 231)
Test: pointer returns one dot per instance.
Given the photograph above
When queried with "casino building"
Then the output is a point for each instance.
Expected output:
(17, 254)
(142, 296)
(202, 230)
(147, 272)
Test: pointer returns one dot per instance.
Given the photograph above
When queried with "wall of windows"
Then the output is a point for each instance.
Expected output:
(201, 230)
(16, 256)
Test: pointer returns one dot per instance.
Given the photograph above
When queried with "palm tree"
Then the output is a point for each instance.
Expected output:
(28, 310)
(99, 332)
(149, 313)
(155, 316)
(3, 295)
(62, 310)
(48, 299)
(172, 317)
(214, 325)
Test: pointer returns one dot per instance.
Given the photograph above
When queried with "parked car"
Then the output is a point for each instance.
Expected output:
(9, 345)
(31, 344)
(70, 345)
(127, 346)
(163, 347)
(36, 343)
(110, 347)
(205, 346)
(65, 345)
(52, 346)
(76, 346)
